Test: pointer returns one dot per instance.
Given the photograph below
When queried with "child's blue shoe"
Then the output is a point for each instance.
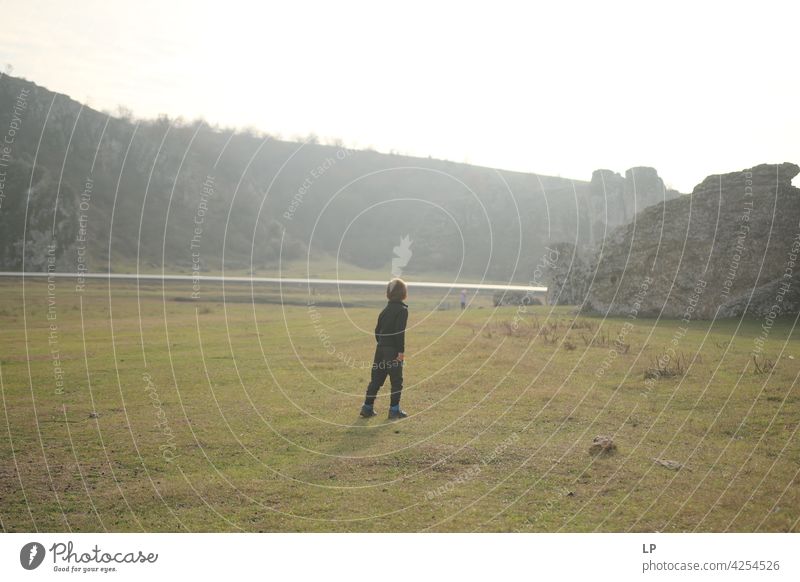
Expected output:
(395, 413)
(368, 411)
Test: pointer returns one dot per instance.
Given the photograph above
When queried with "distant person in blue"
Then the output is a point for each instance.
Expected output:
(390, 333)
(463, 299)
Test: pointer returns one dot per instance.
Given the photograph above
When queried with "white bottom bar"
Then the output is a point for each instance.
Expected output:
(389, 557)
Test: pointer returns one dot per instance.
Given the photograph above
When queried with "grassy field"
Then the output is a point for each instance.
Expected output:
(129, 409)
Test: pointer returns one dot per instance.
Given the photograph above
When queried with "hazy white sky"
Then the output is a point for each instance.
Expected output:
(558, 88)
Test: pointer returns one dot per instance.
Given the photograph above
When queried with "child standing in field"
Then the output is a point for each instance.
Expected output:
(390, 333)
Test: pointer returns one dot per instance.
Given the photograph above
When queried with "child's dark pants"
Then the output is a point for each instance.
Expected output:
(384, 365)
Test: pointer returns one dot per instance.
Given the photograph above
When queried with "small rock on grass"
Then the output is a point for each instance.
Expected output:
(602, 445)
(673, 465)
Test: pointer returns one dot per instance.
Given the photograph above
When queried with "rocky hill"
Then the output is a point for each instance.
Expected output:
(730, 247)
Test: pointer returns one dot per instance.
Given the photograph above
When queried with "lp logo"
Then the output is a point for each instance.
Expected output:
(31, 555)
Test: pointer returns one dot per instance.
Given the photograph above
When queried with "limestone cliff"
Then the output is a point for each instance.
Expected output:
(614, 200)
(728, 248)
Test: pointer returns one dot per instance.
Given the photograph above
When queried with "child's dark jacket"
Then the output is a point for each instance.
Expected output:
(390, 332)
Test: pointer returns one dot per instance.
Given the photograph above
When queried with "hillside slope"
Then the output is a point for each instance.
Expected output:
(156, 194)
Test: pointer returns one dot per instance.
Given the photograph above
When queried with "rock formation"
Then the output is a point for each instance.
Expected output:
(568, 277)
(730, 247)
(614, 200)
